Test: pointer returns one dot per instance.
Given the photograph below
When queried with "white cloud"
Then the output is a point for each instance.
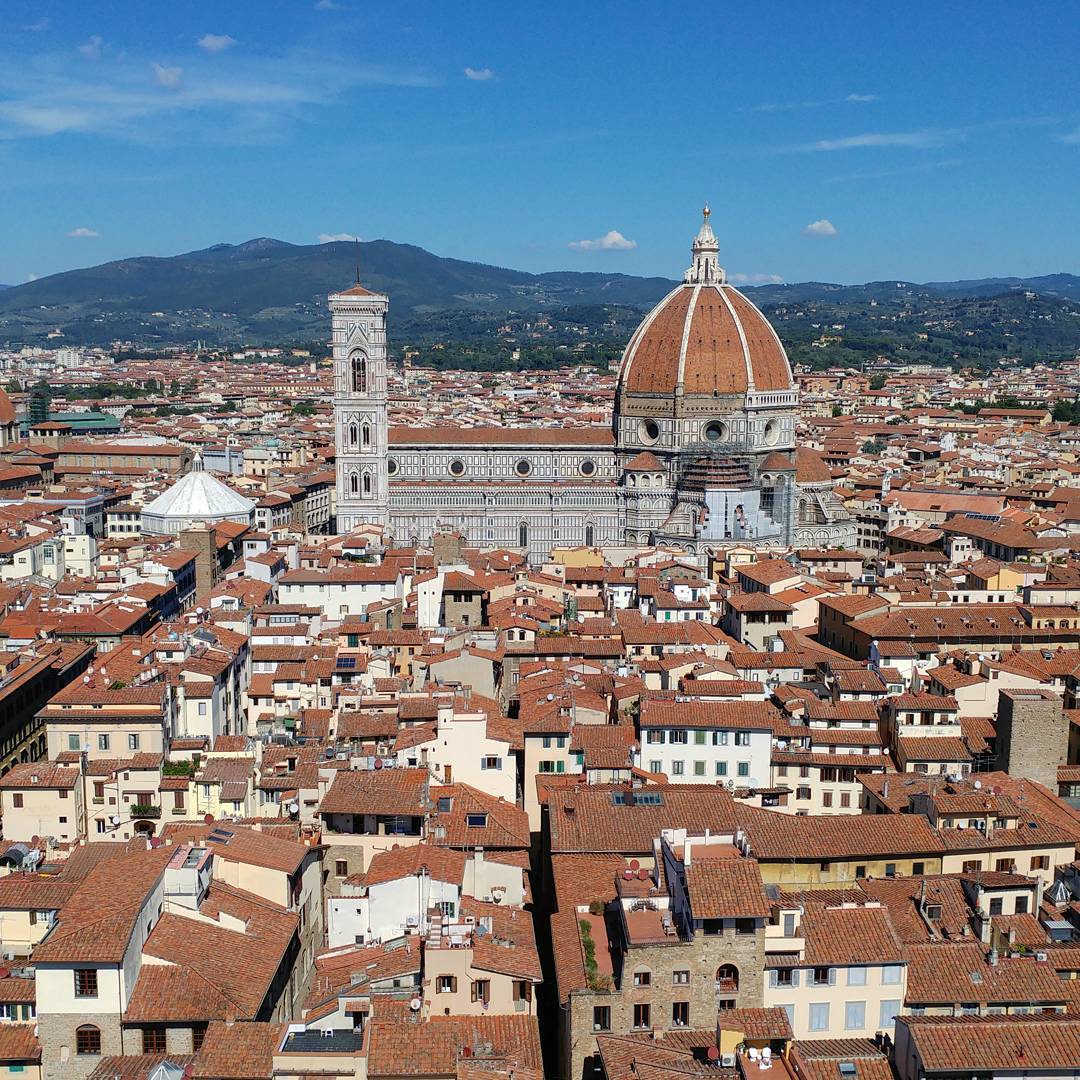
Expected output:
(479, 74)
(756, 279)
(326, 5)
(1073, 137)
(38, 27)
(333, 237)
(91, 48)
(169, 77)
(215, 43)
(822, 227)
(814, 103)
(248, 99)
(83, 233)
(610, 241)
(915, 140)
(31, 277)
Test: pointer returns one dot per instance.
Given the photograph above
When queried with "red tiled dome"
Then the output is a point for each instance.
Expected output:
(706, 339)
(810, 467)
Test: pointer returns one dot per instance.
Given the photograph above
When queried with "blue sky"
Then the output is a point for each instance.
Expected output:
(836, 142)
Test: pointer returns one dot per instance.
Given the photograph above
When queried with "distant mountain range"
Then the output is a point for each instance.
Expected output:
(267, 290)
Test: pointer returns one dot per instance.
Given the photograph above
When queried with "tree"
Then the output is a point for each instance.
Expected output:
(874, 446)
(877, 382)
(13, 386)
(303, 408)
(837, 410)
(1067, 412)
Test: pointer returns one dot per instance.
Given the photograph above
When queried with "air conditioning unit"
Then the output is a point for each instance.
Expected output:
(727, 1061)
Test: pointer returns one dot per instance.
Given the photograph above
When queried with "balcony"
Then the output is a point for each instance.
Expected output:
(142, 810)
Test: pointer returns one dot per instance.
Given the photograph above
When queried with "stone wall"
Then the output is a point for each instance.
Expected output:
(701, 956)
(59, 1061)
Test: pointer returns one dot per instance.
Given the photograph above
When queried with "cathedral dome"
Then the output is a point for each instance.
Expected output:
(705, 338)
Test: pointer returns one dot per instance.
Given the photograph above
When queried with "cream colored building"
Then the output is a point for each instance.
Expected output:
(44, 799)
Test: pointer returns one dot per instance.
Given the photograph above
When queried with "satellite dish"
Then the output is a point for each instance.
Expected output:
(713, 1053)
(415, 1004)
(114, 820)
(208, 819)
(635, 864)
(293, 807)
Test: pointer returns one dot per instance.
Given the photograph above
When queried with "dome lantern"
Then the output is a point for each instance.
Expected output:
(705, 250)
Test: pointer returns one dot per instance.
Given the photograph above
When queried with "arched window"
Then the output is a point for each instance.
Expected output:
(523, 535)
(727, 978)
(367, 484)
(589, 536)
(366, 435)
(352, 434)
(87, 1039)
(359, 373)
(353, 484)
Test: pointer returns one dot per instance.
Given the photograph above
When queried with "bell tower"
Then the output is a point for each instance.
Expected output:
(360, 415)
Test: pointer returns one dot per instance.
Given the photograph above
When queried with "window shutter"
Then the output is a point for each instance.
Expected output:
(772, 978)
(795, 977)
(832, 976)
(453, 985)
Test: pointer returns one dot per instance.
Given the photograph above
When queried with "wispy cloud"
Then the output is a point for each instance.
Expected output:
(31, 277)
(1072, 138)
(880, 174)
(91, 48)
(918, 139)
(820, 228)
(215, 43)
(83, 233)
(479, 74)
(610, 241)
(756, 279)
(814, 103)
(38, 27)
(169, 77)
(327, 5)
(247, 99)
(925, 139)
(333, 237)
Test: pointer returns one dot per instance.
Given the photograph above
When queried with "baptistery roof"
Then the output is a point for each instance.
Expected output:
(705, 337)
(197, 495)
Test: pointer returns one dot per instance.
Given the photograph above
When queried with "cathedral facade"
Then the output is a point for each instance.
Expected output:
(701, 453)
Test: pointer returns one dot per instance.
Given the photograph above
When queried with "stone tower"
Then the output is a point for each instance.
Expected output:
(1032, 735)
(360, 417)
